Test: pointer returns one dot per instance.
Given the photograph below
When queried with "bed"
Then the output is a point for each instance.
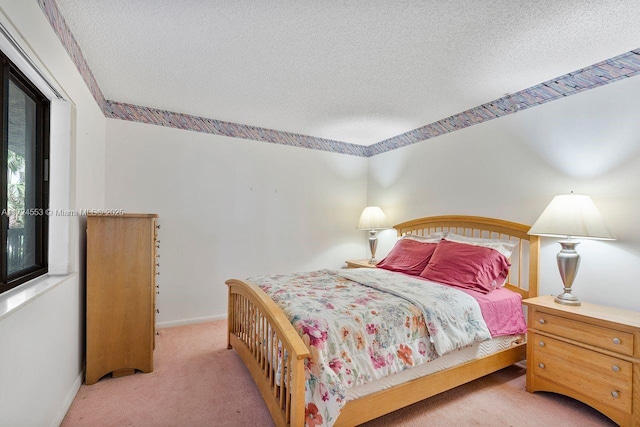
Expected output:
(275, 353)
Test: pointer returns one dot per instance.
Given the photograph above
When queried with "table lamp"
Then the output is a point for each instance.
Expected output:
(373, 219)
(570, 216)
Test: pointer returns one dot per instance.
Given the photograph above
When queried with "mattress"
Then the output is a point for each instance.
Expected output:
(474, 351)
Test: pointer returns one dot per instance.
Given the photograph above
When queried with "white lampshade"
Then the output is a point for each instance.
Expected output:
(571, 215)
(373, 218)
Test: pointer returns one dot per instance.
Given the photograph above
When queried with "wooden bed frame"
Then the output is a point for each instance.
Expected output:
(258, 328)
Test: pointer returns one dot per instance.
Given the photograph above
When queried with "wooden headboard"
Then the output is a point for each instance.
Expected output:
(523, 276)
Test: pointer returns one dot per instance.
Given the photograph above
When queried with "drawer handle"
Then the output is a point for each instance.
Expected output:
(541, 343)
(615, 368)
(615, 394)
(541, 365)
(542, 321)
(616, 341)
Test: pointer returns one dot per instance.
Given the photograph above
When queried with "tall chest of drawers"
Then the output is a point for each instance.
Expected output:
(121, 252)
(589, 352)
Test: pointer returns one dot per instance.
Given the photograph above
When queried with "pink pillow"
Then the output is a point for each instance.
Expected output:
(467, 266)
(408, 256)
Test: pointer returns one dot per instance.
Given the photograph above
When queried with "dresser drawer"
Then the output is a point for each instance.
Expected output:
(605, 378)
(606, 338)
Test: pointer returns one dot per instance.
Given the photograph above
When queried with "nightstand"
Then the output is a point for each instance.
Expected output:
(589, 352)
(359, 263)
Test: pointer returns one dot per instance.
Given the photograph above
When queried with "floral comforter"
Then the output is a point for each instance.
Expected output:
(365, 324)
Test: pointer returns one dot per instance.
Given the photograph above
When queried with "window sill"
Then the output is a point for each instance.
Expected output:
(18, 297)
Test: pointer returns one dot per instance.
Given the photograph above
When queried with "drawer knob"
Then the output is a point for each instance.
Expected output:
(615, 394)
(615, 368)
(542, 321)
(616, 341)
(541, 365)
(541, 343)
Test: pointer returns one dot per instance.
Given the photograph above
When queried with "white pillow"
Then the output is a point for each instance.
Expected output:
(505, 247)
(431, 238)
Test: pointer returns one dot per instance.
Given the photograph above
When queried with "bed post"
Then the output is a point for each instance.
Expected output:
(534, 253)
(230, 317)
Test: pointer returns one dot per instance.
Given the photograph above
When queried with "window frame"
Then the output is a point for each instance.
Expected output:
(10, 72)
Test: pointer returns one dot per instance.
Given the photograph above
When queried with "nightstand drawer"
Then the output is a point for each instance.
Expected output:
(610, 339)
(605, 378)
(594, 363)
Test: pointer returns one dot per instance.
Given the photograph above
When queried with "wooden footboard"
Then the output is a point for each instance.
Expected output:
(271, 349)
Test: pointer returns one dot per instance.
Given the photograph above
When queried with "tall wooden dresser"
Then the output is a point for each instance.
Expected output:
(121, 252)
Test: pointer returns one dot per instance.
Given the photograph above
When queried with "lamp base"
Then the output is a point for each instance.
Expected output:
(568, 263)
(567, 298)
(373, 244)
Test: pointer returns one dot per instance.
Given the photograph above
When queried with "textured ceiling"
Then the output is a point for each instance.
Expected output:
(352, 71)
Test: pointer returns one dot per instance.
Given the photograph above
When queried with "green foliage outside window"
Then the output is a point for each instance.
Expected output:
(15, 189)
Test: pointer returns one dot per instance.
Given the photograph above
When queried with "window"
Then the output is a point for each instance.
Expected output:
(24, 186)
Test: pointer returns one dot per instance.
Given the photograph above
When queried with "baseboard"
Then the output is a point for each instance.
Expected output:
(68, 400)
(191, 321)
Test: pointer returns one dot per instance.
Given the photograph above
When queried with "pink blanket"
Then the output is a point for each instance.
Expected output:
(501, 310)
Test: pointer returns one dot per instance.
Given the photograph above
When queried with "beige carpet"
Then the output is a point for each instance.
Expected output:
(198, 382)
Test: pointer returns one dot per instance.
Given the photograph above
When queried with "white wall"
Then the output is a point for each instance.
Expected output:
(513, 166)
(231, 208)
(42, 342)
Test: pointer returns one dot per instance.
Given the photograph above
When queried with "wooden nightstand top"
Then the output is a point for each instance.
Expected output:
(359, 263)
(595, 311)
